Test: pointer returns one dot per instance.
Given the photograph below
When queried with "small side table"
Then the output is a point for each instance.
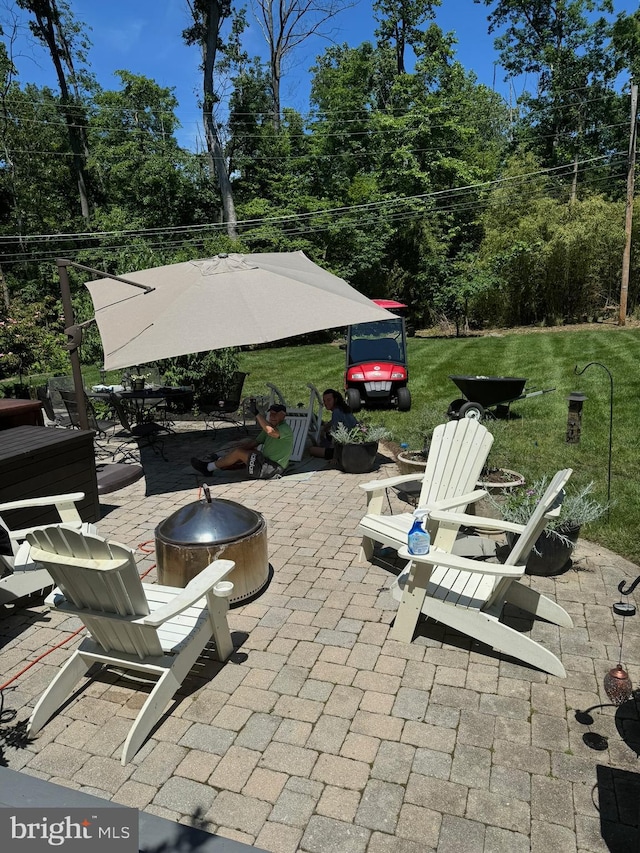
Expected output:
(413, 595)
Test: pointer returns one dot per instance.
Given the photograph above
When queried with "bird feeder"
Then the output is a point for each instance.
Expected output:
(574, 420)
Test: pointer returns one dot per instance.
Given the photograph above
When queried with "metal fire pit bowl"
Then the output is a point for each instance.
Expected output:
(210, 529)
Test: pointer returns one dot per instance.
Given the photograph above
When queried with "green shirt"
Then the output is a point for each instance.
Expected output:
(278, 450)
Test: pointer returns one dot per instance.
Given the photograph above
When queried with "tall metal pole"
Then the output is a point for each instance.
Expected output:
(74, 355)
(626, 255)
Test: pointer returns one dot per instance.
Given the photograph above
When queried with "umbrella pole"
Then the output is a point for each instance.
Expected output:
(74, 332)
(72, 345)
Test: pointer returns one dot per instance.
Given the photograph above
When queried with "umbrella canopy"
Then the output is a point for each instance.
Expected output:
(227, 300)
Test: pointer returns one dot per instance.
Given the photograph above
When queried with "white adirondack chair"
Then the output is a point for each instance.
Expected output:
(153, 629)
(469, 595)
(21, 576)
(457, 455)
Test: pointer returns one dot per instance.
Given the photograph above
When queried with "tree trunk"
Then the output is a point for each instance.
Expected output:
(45, 19)
(214, 146)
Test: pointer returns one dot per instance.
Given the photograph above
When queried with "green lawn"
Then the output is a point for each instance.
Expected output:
(533, 442)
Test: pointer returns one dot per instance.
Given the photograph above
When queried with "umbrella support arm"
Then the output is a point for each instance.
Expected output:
(74, 331)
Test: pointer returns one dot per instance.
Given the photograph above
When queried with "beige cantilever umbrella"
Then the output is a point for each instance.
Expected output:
(227, 300)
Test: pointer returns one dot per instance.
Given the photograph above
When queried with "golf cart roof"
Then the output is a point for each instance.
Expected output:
(389, 304)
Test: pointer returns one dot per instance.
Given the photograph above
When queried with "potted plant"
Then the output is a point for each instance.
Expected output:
(138, 380)
(356, 448)
(552, 551)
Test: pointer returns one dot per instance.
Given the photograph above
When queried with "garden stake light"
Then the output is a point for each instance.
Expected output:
(617, 684)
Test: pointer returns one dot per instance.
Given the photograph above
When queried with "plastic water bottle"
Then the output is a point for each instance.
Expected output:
(419, 540)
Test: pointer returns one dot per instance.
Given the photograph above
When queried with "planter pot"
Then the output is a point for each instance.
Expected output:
(551, 556)
(506, 481)
(137, 385)
(407, 464)
(356, 458)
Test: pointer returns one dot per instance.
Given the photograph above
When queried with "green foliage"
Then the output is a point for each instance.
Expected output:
(578, 507)
(31, 339)
(360, 434)
(547, 261)
(205, 371)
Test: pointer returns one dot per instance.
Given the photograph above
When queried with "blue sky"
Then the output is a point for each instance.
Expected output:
(144, 37)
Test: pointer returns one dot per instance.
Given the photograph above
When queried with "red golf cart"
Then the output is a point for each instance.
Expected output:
(377, 370)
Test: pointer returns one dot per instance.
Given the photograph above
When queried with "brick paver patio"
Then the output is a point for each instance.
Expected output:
(321, 734)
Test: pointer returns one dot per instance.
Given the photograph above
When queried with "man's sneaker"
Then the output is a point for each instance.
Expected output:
(200, 465)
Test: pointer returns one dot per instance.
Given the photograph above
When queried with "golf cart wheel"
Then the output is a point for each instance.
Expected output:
(454, 408)
(473, 411)
(353, 399)
(404, 399)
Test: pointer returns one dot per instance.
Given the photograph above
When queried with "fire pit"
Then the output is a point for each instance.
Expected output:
(211, 529)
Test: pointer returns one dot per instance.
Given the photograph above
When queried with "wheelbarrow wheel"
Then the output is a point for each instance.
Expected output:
(454, 408)
(473, 411)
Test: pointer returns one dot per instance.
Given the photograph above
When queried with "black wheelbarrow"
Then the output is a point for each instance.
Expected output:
(488, 392)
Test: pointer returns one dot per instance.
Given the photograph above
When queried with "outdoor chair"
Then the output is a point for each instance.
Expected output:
(55, 419)
(304, 423)
(20, 576)
(147, 431)
(457, 454)
(159, 631)
(100, 426)
(469, 595)
(225, 407)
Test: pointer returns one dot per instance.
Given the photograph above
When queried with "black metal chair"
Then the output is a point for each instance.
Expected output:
(226, 407)
(100, 426)
(55, 419)
(147, 430)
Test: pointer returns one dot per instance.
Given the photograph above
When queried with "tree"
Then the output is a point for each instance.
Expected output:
(209, 17)
(286, 24)
(575, 113)
(400, 23)
(53, 25)
(144, 177)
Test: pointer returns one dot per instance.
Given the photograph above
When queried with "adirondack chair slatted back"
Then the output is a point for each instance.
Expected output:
(101, 582)
(548, 507)
(458, 452)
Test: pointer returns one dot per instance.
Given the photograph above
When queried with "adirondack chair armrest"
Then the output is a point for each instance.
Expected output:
(65, 505)
(47, 500)
(462, 518)
(456, 500)
(196, 589)
(464, 564)
(389, 482)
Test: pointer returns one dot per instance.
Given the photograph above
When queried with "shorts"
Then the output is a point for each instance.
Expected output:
(261, 468)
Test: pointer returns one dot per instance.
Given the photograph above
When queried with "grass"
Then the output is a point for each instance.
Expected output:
(533, 441)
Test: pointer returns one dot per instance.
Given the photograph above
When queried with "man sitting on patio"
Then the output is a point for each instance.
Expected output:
(276, 439)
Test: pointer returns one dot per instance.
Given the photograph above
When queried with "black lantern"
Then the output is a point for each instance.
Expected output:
(574, 419)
